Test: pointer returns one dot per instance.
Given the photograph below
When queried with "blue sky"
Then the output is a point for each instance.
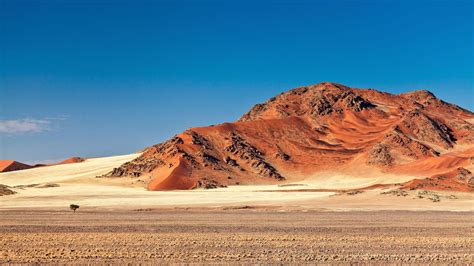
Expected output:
(95, 78)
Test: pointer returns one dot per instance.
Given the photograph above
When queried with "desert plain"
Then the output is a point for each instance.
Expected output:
(235, 235)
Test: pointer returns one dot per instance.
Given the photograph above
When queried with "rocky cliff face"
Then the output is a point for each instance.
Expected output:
(323, 127)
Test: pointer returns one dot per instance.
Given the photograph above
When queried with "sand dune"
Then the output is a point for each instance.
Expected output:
(72, 160)
(87, 169)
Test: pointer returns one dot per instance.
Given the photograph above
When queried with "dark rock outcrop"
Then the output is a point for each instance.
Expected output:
(380, 155)
(252, 156)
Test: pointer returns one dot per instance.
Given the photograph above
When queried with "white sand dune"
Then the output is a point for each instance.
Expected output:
(90, 168)
(78, 183)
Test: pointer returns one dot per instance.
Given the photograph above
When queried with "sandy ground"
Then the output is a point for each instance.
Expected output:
(60, 185)
(130, 198)
(249, 235)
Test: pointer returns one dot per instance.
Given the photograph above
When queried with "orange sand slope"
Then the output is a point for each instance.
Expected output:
(72, 160)
(307, 131)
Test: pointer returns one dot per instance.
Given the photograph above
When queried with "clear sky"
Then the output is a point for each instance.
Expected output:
(94, 78)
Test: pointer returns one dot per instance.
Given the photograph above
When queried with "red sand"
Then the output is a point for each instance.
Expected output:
(72, 160)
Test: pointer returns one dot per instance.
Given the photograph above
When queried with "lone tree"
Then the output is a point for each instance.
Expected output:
(74, 207)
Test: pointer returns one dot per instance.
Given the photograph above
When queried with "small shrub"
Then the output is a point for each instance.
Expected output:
(74, 207)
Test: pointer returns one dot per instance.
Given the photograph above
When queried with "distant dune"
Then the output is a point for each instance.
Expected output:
(10, 165)
(72, 160)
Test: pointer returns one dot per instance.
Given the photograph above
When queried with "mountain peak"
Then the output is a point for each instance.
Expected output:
(314, 100)
(419, 95)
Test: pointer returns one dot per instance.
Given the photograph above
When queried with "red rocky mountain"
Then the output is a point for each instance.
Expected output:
(325, 127)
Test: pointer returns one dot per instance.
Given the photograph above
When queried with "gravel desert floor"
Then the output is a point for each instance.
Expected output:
(234, 235)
